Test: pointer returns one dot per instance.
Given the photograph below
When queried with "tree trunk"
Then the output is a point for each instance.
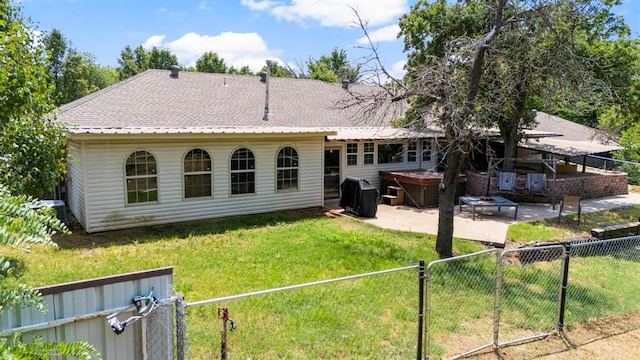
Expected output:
(446, 202)
(510, 152)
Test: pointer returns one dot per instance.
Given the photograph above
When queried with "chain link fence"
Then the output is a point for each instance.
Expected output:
(528, 288)
(358, 316)
(157, 333)
(460, 283)
(604, 279)
(494, 298)
(532, 292)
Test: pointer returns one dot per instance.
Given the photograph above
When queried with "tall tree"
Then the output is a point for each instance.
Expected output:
(32, 146)
(278, 70)
(463, 61)
(56, 45)
(127, 66)
(210, 62)
(334, 67)
(161, 59)
(71, 73)
(319, 70)
(132, 62)
(245, 70)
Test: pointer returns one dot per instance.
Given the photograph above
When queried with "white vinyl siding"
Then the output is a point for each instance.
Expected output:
(106, 193)
(75, 182)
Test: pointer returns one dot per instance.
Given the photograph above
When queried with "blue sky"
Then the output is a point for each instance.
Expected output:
(243, 32)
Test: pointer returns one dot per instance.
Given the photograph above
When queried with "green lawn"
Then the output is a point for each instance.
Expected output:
(549, 229)
(365, 318)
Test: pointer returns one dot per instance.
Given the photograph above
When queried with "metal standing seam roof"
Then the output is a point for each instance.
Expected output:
(380, 133)
(202, 130)
(561, 146)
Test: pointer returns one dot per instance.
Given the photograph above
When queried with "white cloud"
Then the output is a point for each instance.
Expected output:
(162, 10)
(397, 69)
(258, 5)
(204, 5)
(387, 33)
(237, 49)
(155, 40)
(336, 13)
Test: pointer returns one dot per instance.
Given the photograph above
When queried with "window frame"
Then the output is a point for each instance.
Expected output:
(427, 148)
(397, 152)
(372, 153)
(186, 173)
(292, 168)
(412, 151)
(242, 172)
(351, 155)
(137, 177)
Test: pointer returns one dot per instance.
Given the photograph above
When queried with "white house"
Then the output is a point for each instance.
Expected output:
(164, 147)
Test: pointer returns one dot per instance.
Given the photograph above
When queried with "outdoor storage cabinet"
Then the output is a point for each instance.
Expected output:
(359, 197)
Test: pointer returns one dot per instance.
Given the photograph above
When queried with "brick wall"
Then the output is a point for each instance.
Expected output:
(587, 186)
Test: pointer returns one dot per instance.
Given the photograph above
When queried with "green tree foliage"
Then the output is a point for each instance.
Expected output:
(73, 74)
(630, 140)
(161, 59)
(126, 64)
(210, 62)
(55, 44)
(278, 70)
(245, 70)
(24, 90)
(321, 71)
(21, 226)
(32, 145)
(132, 62)
(334, 67)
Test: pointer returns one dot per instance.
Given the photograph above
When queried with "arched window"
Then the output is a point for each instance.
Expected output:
(287, 169)
(243, 173)
(141, 176)
(197, 174)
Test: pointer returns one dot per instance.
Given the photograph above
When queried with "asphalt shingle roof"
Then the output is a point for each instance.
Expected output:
(196, 102)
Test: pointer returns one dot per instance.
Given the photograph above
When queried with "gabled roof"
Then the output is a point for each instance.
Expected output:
(155, 102)
(568, 129)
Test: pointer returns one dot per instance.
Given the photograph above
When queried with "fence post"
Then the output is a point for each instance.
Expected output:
(563, 286)
(496, 308)
(420, 308)
(181, 326)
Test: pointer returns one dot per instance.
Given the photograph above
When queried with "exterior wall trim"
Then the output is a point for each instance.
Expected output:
(107, 280)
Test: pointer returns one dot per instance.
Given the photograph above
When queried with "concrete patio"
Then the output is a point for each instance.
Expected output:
(490, 225)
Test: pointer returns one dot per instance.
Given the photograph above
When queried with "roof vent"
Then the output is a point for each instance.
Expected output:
(345, 84)
(266, 91)
(263, 77)
(175, 71)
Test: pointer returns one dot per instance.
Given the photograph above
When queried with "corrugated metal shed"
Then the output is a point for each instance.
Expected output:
(77, 311)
